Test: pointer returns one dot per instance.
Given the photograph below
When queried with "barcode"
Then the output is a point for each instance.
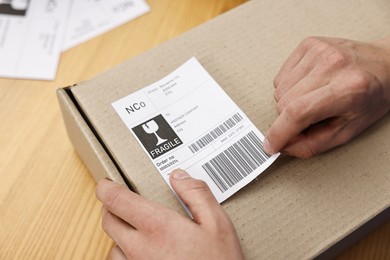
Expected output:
(215, 133)
(236, 162)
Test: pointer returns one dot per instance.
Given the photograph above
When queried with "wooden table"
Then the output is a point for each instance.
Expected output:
(48, 207)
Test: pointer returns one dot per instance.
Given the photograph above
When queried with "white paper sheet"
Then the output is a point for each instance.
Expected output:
(33, 33)
(90, 18)
(31, 37)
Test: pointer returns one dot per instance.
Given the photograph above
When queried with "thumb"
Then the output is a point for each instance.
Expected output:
(197, 196)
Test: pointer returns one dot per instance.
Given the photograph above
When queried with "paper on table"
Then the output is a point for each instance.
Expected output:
(31, 34)
(90, 18)
(187, 121)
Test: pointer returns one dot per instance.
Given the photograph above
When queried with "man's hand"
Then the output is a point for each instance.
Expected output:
(327, 92)
(144, 229)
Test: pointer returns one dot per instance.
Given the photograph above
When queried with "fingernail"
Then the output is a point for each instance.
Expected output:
(267, 147)
(179, 174)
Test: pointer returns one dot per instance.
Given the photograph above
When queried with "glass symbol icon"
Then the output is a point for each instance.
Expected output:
(151, 127)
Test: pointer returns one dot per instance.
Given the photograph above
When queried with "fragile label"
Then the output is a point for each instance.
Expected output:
(187, 121)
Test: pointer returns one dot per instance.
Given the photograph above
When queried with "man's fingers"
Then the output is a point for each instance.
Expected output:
(132, 208)
(307, 69)
(294, 58)
(117, 254)
(197, 196)
(289, 79)
(121, 232)
(310, 82)
(320, 138)
(307, 110)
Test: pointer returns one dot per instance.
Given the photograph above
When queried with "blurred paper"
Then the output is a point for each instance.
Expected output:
(33, 33)
(31, 37)
(90, 18)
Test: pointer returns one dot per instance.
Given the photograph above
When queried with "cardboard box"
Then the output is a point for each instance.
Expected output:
(297, 208)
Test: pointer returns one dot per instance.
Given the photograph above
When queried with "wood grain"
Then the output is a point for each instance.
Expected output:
(48, 208)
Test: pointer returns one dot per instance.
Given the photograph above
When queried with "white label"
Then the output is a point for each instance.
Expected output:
(187, 121)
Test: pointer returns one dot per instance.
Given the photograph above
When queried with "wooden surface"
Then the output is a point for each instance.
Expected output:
(48, 208)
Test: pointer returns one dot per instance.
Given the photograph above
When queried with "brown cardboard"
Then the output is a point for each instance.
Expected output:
(85, 141)
(297, 208)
